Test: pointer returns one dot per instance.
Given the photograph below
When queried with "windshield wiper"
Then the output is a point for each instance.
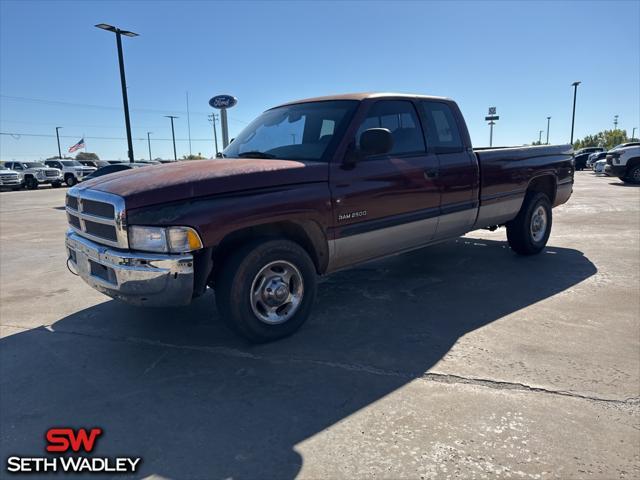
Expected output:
(255, 154)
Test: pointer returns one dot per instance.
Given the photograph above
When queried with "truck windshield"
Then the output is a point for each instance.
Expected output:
(71, 163)
(33, 165)
(294, 132)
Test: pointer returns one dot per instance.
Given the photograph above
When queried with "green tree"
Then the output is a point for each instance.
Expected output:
(193, 157)
(87, 156)
(607, 139)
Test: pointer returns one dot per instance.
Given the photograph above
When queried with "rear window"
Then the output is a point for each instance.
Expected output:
(441, 128)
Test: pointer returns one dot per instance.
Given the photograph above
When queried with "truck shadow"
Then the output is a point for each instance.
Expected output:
(176, 388)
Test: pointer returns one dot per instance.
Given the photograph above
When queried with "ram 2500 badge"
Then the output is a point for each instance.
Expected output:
(307, 188)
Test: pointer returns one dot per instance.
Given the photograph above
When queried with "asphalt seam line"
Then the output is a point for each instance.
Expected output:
(427, 376)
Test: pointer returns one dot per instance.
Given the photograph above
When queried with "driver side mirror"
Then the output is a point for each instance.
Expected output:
(373, 141)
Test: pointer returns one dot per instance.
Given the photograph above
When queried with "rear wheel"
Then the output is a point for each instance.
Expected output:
(266, 289)
(529, 232)
(70, 180)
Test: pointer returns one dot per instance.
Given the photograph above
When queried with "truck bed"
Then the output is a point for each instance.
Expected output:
(506, 172)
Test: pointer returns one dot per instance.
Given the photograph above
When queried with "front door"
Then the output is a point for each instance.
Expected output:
(385, 203)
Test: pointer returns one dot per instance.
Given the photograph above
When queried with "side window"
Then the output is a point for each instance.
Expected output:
(441, 128)
(401, 119)
(17, 166)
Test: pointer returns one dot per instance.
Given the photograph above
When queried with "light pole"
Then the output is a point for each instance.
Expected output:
(58, 137)
(123, 82)
(573, 117)
(548, 122)
(149, 143)
(540, 137)
(173, 135)
(615, 122)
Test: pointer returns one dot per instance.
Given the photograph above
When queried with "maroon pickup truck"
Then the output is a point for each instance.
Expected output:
(307, 188)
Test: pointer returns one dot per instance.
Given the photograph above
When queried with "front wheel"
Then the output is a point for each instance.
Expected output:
(265, 290)
(70, 181)
(529, 232)
(633, 175)
(31, 183)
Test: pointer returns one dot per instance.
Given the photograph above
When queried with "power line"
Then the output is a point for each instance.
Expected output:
(14, 135)
(42, 101)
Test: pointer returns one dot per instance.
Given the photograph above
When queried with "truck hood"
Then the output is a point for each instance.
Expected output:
(145, 186)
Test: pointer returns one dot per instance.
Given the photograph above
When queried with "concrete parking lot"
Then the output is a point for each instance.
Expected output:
(458, 361)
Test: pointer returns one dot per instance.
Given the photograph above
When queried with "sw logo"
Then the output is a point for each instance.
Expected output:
(63, 439)
(66, 442)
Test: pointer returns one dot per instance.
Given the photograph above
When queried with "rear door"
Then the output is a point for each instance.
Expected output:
(386, 203)
(458, 173)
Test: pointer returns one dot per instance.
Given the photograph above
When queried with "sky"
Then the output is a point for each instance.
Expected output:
(57, 69)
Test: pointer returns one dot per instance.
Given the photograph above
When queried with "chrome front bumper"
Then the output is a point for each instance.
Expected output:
(138, 278)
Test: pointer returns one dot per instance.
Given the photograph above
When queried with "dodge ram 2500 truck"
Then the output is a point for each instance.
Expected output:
(307, 188)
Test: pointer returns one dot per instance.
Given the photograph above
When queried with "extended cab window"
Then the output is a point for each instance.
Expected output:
(400, 118)
(441, 128)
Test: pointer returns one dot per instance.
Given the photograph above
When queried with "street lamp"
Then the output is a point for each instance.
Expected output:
(149, 143)
(573, 117)
(548, 121)
(173, 134)
(125, 101)
(58, 137)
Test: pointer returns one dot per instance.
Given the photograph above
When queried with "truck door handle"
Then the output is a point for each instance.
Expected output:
(431, 173)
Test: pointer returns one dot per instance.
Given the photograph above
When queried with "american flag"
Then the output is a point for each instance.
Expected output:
(77, 146)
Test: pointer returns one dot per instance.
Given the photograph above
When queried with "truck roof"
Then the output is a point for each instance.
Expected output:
(363, 96)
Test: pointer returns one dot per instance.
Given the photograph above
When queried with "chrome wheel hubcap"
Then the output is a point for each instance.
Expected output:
(276, 292)
(538, 223)
(636, 174)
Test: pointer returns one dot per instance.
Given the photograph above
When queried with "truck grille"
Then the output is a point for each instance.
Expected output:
(9, 178)
(97, 216)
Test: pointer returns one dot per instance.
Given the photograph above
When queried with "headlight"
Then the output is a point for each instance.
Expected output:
(39, 174)
(159, 239)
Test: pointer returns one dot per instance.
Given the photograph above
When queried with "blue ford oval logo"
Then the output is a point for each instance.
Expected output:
(223, 101)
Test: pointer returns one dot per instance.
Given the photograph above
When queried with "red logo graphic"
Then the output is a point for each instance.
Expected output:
(63, 439)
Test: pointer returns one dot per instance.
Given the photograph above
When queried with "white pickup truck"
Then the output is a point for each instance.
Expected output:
(624, 162)
(72, 170)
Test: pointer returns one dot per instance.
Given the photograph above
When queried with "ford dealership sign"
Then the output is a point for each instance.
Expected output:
(223, 101)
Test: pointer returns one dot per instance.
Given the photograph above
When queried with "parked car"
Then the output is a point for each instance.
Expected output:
(594, 157)
(11, 179)
(366, 176)
(36, 173)
(94, 163)
(116, 167)
(624, 163)
(72, 170)
(598, 167)
(582, 155)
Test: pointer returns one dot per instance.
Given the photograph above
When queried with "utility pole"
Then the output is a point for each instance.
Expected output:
(540, 137)
(188, 123)
(548, 121)
(213, 118)
(149, 143)
(633, 135)
(123, 81)
(173, 135)
(573, 117)
(58, 137)
(615, 122)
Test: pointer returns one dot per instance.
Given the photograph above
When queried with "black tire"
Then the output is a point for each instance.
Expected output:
(234, 283)
(633, 175)
(31, 183)
(520, 234)
(70, 180)
(56, 184)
